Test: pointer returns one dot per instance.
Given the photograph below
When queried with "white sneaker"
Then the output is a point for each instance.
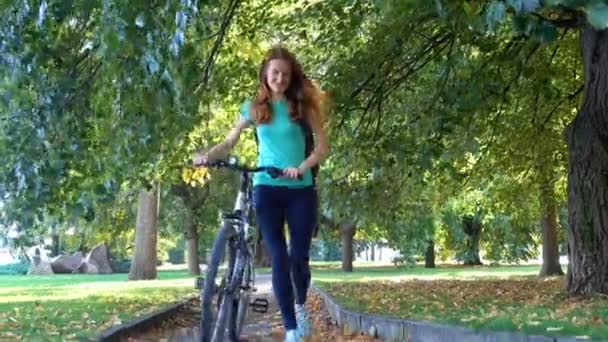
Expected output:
(291, 336)
(303, 321)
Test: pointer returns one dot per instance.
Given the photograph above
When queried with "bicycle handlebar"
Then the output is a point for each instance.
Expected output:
(274, 172)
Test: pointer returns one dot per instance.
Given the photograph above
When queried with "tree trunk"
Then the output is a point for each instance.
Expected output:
(429, 256)
(82, 247)
(551, 264)
(347, 232)
(373, 251)
(191, 237)
(587, 138)
(55, 244)
(193, 198)
(472, 228)
(143, 265)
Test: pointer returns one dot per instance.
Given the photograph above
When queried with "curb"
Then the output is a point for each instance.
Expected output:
(115, 332)
(392, 329)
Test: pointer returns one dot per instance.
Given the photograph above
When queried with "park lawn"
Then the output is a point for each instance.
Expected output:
(365, 271)
(492, 298)
(75, 307)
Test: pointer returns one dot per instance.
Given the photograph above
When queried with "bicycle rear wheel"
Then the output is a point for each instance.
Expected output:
(216, 289)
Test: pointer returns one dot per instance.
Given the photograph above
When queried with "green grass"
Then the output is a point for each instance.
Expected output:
(331, 272)
(74, 307)
(493, 298)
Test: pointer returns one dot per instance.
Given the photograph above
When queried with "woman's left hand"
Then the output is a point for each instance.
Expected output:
(292, 172)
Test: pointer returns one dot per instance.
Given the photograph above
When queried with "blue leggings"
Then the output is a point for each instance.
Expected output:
(299, 206)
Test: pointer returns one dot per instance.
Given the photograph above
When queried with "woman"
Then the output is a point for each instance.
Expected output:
(286, 99)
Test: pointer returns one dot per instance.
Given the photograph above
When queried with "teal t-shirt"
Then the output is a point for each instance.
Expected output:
(280, 144)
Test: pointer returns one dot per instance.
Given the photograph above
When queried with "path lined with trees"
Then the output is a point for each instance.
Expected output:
(464, 131)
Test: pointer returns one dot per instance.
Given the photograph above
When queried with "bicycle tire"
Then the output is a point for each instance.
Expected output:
(213, 329)
(240, 303)
(241, 308)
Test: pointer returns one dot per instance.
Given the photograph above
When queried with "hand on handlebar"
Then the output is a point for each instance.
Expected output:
(293, 173)
(200, 159)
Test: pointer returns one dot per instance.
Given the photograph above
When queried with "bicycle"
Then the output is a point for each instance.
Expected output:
(231, 294)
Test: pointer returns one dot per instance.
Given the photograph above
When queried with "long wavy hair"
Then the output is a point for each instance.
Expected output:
(304, 99)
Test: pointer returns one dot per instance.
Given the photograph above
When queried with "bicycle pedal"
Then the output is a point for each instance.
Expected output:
(249, 288)
(198, 283)
(260, 305)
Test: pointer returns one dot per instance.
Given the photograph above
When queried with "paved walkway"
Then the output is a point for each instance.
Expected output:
(260, 327)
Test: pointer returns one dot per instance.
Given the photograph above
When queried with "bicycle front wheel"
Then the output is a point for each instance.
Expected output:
(242, 280)
(216, 288)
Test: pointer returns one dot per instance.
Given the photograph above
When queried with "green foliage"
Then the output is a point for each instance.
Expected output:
(438, 107)
(121, 265)
(508, 230)
(165, 245)
(531, 14)
(177, 253)
(60, 126)
(597, 14)
(509, 242)
(325, 250)
(457, 238)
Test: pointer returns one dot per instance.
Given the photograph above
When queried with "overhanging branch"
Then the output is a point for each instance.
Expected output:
(577, 20)
(228, 16)
(559, 104)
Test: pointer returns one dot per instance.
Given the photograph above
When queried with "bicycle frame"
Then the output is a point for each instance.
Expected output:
(243, 204)
(240, 220)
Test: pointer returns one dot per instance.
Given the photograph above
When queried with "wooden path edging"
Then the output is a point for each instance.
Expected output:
(392, 329)
(116, 332)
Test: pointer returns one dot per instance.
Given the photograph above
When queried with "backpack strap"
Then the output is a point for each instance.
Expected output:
(309, 140)
(309, 146)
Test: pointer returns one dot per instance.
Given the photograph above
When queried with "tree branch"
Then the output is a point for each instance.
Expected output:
(577, 21)
(417, 62)
(566, 98)
(82, 86)
(228, 16)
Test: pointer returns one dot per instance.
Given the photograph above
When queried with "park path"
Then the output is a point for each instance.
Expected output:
(260, 327)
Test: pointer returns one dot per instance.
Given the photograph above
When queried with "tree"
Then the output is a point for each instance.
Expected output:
(459, 27)
(59, 74)
(587, 158)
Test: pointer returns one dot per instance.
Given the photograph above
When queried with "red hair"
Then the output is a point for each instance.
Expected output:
(304, 99)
